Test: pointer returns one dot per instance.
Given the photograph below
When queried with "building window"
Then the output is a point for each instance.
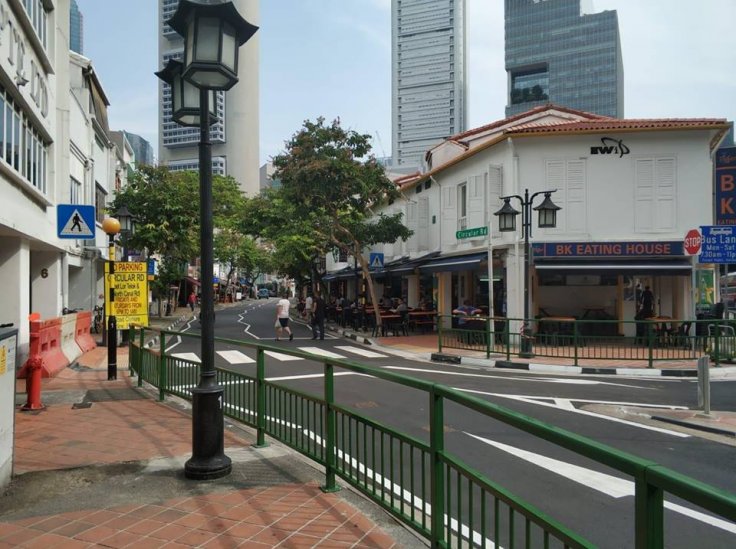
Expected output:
(100, 198)
(75, 191)
(462, 206)
(529, 85)
(37, 15)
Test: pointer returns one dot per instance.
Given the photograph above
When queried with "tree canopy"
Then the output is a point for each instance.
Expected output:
(330, 185)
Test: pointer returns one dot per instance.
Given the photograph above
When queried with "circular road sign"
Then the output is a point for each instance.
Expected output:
(692, 242)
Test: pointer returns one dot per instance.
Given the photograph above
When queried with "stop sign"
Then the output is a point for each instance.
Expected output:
(692, 242)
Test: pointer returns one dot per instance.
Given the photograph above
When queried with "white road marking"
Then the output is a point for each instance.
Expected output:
(607, 484)
(192, 357)
(235, 357)
(541, 401)
(312, 376)
(534, 379)
(360, 351)
(281, 356)
(178, 341)
(321, 352)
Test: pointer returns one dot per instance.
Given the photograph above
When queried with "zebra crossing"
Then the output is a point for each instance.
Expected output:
(233, 356)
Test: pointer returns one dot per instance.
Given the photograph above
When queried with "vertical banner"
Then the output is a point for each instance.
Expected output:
(705, 283)
(725, 186)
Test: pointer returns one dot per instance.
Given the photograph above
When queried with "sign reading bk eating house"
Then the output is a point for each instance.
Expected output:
(581, 250)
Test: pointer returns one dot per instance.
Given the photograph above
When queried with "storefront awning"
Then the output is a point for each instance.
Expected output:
(408, 266)
(623, 266)
(192, 281)
(342, 274)
(455, 263)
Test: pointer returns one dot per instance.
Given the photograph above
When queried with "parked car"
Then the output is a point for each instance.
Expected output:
(263, 293)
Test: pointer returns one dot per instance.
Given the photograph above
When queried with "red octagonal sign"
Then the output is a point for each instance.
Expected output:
(692, 242)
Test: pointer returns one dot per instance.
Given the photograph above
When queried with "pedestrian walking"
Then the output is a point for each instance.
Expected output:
(318, 317)
(282, 319)
(192, 300)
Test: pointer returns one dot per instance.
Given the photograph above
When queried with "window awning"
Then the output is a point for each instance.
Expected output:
(455, 263)
(623, 266)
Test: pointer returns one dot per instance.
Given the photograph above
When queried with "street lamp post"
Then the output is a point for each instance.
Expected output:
(507, 222)
(111, 226)
(213, 30)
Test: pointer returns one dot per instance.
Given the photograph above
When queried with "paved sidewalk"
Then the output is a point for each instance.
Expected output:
(103, 464)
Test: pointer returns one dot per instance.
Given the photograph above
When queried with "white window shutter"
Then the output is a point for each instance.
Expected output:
(644, 195)
(449, 215)
(575, 211)
(423, 224)
(665, 193)
(476, 202)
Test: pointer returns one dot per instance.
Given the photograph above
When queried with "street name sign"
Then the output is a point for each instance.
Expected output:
(472, 233)
(718, 244)
(130, 282)
(75, 221)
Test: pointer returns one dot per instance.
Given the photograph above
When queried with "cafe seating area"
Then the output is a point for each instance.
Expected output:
(414, 320)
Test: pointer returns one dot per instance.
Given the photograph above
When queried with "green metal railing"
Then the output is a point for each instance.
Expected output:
(422, 483)
(579, 339)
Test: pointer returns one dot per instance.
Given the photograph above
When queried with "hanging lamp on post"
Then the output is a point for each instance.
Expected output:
(213, 30)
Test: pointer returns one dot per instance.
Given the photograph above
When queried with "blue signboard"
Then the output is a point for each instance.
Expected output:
(75, 221)
(376, 260)
(582, 250)
(718, 245)
(725, 185)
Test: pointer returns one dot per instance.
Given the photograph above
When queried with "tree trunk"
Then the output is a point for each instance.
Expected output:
(371, 287)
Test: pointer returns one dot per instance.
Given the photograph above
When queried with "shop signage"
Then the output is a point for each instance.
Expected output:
(609, 145)
(719, 245)
(130, 282)
(725, 184)
(583, 250)
(472, 233)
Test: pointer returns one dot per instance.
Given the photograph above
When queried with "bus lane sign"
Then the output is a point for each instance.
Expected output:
(130, 284)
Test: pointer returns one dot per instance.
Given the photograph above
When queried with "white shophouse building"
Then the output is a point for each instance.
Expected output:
(629, 191)
(55, 150)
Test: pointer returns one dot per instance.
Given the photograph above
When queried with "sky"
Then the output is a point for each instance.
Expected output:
(332, 58)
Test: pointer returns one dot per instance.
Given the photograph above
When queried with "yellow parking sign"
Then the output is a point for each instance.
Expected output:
(130, 284)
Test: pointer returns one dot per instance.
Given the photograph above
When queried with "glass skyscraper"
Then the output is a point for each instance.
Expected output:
(428, 76)
(556, 53)
(76, 28)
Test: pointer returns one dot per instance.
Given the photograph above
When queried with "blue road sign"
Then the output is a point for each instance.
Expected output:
(719, 244)
(75, 221)
(375, 260)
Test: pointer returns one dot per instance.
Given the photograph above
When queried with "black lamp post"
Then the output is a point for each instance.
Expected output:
(111, 226)
(213, 30)
(507, 222)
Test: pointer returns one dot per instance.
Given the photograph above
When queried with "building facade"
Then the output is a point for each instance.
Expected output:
(557, 53)
(429, 74)
(629, 191)
(234, 136)
(142, 149)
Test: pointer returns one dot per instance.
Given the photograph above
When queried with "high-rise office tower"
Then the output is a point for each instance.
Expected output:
(559, 52)
(234, 136)
(76, 28)
(428, 66)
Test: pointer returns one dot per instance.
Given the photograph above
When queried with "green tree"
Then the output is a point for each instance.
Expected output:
(330, 185)
(165, 207)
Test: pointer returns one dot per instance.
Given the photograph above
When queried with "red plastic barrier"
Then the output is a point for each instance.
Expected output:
(83, 335)
(45, 343)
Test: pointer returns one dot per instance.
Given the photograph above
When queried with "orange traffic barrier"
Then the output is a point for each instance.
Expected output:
(83, 335)
(45, 343)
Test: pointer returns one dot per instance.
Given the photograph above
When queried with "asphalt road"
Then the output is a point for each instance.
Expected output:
(593, 500)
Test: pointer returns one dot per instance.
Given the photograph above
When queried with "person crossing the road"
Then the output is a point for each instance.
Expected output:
(282, 318)
(318, 316)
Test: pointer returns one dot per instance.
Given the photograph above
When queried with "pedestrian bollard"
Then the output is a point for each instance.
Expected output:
(704, 384)
(33, 385)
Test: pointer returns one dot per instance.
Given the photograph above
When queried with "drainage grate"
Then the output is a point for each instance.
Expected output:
(78, 405)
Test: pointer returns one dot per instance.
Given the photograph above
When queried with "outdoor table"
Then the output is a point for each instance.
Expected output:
(422, 318)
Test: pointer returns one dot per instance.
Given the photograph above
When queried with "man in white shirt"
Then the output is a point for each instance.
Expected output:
(282, 318)
(308, 307)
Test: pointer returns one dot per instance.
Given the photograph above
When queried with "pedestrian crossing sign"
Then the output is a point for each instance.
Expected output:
(376, 260)
(75, 221)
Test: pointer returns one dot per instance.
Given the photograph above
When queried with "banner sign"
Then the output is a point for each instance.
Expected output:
(725, 185)
(582, 250)
(130, 281)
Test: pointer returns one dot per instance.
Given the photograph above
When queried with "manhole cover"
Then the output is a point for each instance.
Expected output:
(78, 405)
(106, 395)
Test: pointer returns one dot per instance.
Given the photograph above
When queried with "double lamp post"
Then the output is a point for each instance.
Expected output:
(507, 223)
(213, 31)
